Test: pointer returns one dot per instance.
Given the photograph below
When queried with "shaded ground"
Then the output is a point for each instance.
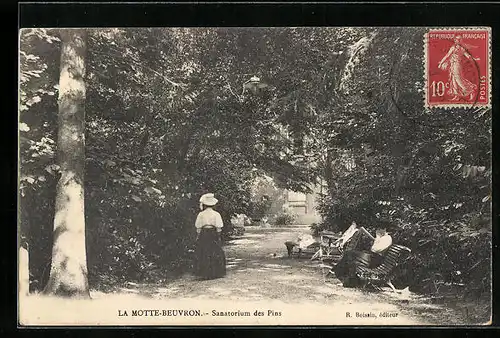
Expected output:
(260, 278)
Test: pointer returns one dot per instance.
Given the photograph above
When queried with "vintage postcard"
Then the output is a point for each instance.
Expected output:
(255, 176)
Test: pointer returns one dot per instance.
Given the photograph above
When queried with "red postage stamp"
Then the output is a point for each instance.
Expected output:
(457, 67)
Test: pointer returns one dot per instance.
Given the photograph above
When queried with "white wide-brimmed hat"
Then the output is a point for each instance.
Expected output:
(209, 200)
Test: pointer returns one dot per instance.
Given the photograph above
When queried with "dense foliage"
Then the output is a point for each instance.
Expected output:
(428, 171)
(170, 115)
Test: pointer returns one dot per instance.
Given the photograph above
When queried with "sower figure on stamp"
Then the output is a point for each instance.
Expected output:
(210, 258)
(453, 62)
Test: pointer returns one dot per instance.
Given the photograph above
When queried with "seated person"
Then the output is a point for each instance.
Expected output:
(337, 244)
(372, 257)
(303, 241)
(346, 236)
(381, 242)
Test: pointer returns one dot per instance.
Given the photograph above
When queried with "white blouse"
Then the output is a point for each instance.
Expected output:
(380, 244)
(209, 217)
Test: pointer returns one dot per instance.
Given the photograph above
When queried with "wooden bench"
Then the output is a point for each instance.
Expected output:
(384, 273)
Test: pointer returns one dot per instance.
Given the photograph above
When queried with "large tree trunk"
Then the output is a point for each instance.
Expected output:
(68, 273)
(24, 271)
(23, 252)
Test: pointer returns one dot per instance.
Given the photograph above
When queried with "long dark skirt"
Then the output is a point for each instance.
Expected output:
(210, 258)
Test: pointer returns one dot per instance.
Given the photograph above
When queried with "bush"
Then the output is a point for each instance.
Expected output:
(316, 228)
(260, 208)
(284, 219)
(338, 214)
(446, 254)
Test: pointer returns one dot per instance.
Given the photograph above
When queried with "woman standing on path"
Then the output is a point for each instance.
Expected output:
(210, 258)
